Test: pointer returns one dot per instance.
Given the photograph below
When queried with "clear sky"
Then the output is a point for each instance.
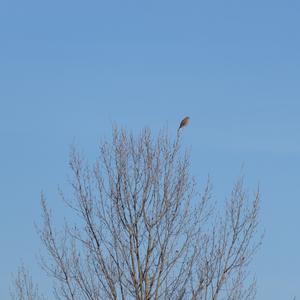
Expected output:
(70, 69)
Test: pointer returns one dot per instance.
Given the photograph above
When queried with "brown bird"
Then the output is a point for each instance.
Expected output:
(184, 122)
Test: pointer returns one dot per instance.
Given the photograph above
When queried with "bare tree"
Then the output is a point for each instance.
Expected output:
(141, 230)
(23, 286)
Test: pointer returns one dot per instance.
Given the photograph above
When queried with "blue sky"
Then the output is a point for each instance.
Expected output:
(70, 69)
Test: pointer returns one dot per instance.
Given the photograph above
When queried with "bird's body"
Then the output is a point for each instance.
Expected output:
(184, 122)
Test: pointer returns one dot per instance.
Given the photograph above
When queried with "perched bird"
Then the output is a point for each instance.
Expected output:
(184, 122)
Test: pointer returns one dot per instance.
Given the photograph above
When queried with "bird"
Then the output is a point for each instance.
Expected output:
(184, 122)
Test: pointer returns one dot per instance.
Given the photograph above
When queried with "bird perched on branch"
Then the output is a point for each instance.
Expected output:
(184, 122)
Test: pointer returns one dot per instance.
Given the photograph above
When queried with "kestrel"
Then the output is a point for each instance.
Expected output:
(184, 122)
